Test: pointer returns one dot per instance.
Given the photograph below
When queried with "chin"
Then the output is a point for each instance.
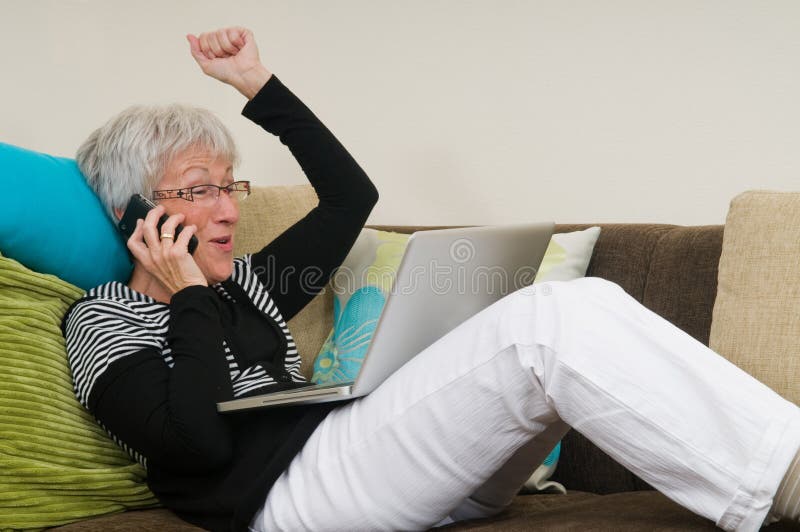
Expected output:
(219, 274)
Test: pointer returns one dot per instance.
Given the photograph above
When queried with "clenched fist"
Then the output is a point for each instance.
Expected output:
(231, 56)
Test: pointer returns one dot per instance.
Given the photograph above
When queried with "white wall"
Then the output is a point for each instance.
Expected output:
(460, 111)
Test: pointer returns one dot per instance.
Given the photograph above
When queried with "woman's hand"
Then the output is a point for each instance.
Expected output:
(166, 259)
(231, 56)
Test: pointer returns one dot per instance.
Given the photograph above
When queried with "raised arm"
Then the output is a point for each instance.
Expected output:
(298, 263)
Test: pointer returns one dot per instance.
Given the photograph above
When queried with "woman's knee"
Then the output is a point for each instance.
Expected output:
(582, 291)
(590, 290)
(597, 284)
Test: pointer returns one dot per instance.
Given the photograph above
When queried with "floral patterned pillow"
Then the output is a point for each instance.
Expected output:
(360, 286)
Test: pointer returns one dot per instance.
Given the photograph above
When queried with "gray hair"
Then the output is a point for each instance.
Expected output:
(130, 153)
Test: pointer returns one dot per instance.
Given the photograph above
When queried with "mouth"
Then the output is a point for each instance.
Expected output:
(223, 243)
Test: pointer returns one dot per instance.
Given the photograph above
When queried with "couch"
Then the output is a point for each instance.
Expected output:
(668, 268)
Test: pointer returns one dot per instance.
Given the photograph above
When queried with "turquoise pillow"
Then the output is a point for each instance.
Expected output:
(52, 222)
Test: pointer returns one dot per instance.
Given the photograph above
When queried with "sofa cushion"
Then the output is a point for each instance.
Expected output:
(681, 282)
(57, 463)
(52, 222)
(756, 319)
(621, 512)
(158, 520)
(568, 255)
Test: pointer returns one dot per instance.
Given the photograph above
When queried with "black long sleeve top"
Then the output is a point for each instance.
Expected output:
(152, 373)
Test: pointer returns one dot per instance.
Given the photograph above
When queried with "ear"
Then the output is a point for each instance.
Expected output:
(118, 213)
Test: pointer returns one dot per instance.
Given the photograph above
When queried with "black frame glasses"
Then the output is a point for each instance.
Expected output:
(237, 190)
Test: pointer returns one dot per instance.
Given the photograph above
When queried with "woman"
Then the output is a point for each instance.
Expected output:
(454, 433)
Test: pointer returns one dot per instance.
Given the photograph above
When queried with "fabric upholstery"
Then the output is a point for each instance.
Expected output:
(756, 318)
(681, 285)
(586, 512)
(158, 520)
(57, 463)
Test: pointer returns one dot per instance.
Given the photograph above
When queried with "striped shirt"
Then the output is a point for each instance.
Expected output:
(113, 321)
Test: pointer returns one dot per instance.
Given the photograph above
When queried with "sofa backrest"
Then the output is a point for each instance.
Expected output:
(670, 269)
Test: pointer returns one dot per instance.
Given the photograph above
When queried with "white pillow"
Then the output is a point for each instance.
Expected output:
(567, 256)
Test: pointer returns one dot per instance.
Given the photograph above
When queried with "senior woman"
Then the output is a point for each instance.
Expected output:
(454, 433)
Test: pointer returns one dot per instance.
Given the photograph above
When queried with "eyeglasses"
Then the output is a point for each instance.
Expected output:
(205, 195)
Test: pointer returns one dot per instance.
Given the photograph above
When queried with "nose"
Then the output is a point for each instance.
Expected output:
(227, 209)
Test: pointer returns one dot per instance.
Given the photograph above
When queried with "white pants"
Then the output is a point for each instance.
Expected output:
(456, 431)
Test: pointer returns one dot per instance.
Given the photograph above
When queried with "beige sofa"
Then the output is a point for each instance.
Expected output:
(670, 269)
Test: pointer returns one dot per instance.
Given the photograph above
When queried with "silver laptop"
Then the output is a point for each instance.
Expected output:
(445, 277)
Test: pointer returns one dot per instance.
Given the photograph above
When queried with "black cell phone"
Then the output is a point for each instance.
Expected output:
(138, 207)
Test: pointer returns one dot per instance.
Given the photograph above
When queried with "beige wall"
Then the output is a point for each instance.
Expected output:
(460, 111)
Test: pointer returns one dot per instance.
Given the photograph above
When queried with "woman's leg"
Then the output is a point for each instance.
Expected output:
(688, 422)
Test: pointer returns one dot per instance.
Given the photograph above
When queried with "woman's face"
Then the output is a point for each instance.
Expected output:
(215, 222)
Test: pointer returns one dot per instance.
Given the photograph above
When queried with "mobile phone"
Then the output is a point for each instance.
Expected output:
(138, 207)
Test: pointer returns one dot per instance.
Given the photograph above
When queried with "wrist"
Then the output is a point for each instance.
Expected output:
(252, 80)
(201, 283)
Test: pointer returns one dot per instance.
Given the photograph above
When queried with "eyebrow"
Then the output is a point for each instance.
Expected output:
(204, 168)
(228, 174)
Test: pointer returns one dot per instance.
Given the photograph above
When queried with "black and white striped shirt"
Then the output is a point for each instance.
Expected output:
(113, 321)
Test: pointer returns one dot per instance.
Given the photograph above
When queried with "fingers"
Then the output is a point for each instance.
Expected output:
(150, 232)
(169, 228)
(182, 241)
(194, 47)
(161, 256)
(137, 246)
(225, 43)
(213, 42)
(221, 43)
(236, 36)
(216, 44)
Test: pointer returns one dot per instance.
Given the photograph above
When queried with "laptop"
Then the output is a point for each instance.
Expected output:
(445, 277)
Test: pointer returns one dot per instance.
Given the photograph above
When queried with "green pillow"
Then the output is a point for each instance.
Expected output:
(58, 465)
(52, 222)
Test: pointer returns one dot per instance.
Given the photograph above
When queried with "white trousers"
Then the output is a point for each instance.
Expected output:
(456, 431)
